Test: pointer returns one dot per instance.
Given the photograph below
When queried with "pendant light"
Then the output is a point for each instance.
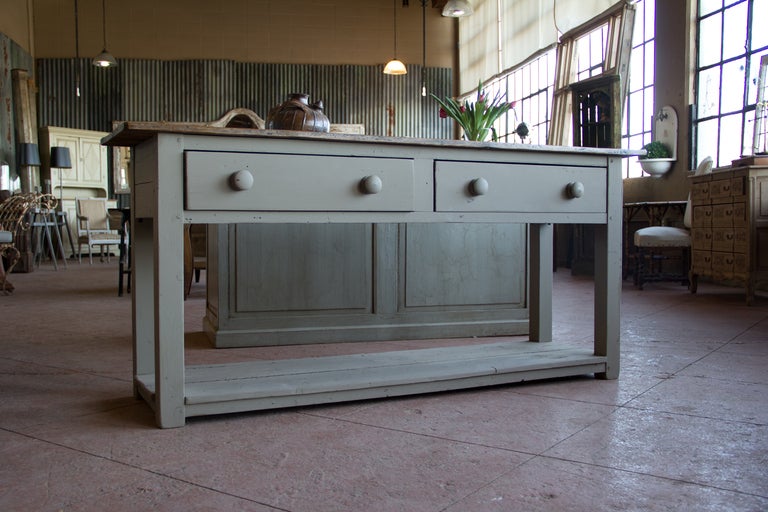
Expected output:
(395, 67)
(457, 9)
(104, 59)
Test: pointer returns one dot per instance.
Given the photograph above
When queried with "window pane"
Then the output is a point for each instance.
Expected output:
(526, 79)
(649, 77)
(596, 42)
(735, 30)
(636, 69)
(648, 112)
(582, 54)
(706, 141)
(707, 6)
(730, 138)
(759, 17)
(709, 93)
(733, 87)
(710, 40)
(650, 17)
(639, 29)
(636, 113)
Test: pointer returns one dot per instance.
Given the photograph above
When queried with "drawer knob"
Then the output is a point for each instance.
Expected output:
(371, 185)
(241, 180)
(478, 187)
(574, 190)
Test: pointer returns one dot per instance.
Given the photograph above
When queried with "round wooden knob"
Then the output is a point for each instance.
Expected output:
(241, 180)
(574, 190)
(478, 187)
(371, 185)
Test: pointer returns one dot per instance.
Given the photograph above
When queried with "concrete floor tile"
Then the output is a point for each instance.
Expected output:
(708, 398)
(32, 394)
(317, 464)
(731, 366)
(724, 454)
(500, 417)
(550, 485)
(295, 461)
(51, 477)
(661, 359)
(630, 384)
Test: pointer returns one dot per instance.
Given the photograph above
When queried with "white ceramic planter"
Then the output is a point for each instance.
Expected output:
(656, 167)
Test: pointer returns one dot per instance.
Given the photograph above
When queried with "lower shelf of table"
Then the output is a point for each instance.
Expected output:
(264, 384)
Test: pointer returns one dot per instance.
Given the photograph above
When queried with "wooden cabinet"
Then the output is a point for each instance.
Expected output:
(729, 230)
(88, 176)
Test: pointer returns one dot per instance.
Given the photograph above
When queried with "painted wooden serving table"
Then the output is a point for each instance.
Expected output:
(192, 174)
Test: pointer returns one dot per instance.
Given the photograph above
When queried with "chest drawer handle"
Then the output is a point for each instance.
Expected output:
(241, 180)
(371, 185)
(478, 187)
(574, 190)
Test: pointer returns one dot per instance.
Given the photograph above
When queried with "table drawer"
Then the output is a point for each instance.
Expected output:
(492, 187)
(272, 182)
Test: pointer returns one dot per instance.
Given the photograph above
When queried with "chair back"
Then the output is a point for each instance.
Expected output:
(95, 210)
(705, 167)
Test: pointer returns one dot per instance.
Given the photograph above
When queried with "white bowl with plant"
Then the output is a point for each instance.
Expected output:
(657, 160)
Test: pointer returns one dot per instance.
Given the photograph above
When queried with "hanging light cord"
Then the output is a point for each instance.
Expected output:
(104, 21)
(394, 18)
(77, 53)
(423, 46)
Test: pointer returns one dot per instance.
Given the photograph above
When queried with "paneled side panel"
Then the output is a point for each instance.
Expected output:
(463, 265)
(295, 267)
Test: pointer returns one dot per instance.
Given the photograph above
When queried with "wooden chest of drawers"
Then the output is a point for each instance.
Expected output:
(729, 231)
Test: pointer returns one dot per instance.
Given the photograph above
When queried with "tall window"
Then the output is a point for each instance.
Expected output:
(534, 88)
(732, 37)
(638, 109)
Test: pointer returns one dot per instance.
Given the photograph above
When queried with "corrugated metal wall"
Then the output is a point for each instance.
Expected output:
(203, 90)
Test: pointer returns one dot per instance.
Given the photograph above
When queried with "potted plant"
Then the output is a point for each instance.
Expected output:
(477, 118)
(657, 159)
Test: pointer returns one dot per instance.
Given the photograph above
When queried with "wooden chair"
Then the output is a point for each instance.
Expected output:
(93, 228)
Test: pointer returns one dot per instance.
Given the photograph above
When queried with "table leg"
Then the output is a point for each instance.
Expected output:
(608, 297)
(540, 306)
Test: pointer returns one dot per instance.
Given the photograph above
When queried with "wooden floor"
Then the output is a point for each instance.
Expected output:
(255, 385)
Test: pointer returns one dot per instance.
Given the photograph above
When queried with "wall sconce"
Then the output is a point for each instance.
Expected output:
(104, 59)
(457, 9)
(395, 67)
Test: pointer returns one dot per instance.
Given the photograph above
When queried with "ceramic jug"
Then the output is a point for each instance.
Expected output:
(297, 114)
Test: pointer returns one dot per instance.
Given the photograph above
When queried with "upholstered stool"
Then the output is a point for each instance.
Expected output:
(657, 245)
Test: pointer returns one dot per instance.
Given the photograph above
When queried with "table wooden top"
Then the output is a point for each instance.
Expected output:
(131, 133)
